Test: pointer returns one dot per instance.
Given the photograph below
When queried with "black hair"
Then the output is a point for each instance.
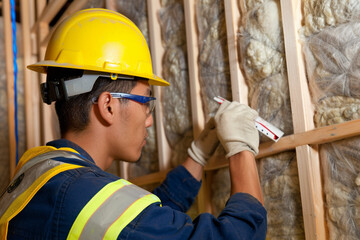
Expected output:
(73, 113)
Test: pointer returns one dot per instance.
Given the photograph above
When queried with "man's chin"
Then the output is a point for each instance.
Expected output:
(138, 158)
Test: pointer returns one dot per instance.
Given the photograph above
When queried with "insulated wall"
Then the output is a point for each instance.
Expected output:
(295, 62)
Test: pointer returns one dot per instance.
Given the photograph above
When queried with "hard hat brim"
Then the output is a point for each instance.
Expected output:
(41, 67)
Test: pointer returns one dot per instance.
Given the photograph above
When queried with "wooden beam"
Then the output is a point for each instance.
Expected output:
(6, 12)
(49, 123)
(238, 84)
(124, 170)
(31, 109)
(157, 52)
(193, 54)
(198, 118)
(150, 178)
(313, 137)
(48, 13)
(302, 114)
(111, 4)
(74, 7)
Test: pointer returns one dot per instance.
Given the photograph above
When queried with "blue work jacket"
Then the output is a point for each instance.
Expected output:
(52, 211)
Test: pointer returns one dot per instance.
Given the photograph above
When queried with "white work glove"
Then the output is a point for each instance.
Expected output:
(235, 127)
(205, 145)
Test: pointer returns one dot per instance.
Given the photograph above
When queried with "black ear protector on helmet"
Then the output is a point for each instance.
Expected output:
(60, 86)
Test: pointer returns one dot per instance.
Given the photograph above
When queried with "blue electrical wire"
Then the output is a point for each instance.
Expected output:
(13, 24)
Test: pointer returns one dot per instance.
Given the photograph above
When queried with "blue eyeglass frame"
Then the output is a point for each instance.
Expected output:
(137, 98)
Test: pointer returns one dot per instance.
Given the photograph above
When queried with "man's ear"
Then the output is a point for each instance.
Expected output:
(105, 108)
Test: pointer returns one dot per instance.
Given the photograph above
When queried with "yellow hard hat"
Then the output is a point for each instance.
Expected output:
(99, 40)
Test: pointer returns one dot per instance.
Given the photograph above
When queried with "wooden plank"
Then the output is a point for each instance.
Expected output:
(193, 54)
(198, 118)
(124, 170)
(157, 52)
(73, 7)
(111, 4)
(6, 12)
(50, 129)
(31, 111)
(302, 113)
(48, 13)
(150, 178)
(238, 85)
(312, 137)
(48, 117)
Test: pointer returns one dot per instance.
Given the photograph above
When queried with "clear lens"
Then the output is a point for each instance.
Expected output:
(150, 106)
(148, 102)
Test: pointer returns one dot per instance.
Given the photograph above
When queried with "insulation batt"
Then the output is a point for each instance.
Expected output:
(94, 4)
(213, 54)
(324, 13)
(214, 77)
(333, 61)
(176, 97)
(331, 47)
(264, 65)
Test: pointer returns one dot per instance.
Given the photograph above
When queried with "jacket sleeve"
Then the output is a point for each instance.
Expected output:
(242, 218)
(179, 189)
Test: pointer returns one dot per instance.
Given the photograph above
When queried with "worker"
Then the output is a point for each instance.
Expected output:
(99, 74)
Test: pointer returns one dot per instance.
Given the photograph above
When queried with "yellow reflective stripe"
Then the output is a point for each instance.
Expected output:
(36, 151)
(135, 209)
(20, 202)
(92, 206)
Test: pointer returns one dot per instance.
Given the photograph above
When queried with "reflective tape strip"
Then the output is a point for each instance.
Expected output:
(34, 178)
(110, 210)
(135, 209)
(37, 151)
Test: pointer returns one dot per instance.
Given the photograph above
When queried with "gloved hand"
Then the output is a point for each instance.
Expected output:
(205, 145)
(235, 127)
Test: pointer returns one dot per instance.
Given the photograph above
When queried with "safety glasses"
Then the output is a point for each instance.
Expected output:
(149, 102)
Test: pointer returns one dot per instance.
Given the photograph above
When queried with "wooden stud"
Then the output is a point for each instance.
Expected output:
(302, 113)
(124, 169)
(157, 52)
(48, 13)
(193, 54)
(6, 11)
(111, 4)
(238, 84)
(73, 7)
(31, 111)
(50, 128)
(150, 178)
(312, 137)
(204, 203)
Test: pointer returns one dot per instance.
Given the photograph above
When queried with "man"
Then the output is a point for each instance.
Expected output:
(99, 74)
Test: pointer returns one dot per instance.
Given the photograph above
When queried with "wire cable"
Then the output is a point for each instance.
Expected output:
(13, 25)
